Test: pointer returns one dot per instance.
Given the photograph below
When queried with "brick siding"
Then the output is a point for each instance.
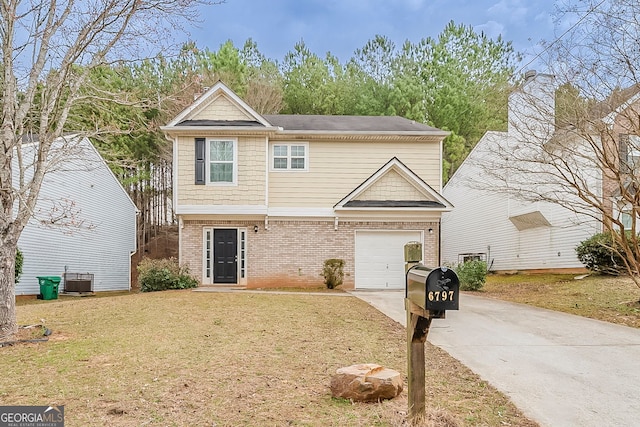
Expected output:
(292, 253)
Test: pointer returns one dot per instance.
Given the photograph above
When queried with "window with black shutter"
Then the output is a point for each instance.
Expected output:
(200, 161)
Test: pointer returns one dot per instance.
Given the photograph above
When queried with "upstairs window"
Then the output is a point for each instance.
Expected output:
(216, 161)
(293, 157)
(629, 150)
(222, 161)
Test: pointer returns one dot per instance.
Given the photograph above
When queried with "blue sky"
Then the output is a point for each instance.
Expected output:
(341, 26)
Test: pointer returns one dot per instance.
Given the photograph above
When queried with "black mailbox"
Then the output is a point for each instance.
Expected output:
(435, 289)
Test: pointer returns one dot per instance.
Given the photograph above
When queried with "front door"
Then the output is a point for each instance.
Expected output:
(225, 255)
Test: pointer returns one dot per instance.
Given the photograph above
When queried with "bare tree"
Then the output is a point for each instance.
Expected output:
(48, 50)
(574, 132)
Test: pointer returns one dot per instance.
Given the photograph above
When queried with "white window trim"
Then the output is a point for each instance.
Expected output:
(234, 181)
(242, 272)
(207, 258)
(289, 145)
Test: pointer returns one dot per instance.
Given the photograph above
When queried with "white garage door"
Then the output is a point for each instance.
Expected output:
(380, 258)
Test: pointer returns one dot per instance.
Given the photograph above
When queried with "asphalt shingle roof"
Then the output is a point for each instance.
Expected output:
(219, 123)
(301, 122)
(393, 204)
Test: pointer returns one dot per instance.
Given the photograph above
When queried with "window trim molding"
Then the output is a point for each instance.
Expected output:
(289, 144)
(234, 181)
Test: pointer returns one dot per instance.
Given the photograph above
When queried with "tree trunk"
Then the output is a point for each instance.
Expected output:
(8, 324)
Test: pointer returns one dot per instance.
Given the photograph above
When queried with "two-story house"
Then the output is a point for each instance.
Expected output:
(83, 223)
(494, 220)
(264, 200)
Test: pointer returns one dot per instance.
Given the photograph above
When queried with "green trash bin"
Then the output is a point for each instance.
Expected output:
(49, 286)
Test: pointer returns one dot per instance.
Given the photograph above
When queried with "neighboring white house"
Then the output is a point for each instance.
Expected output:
(496, 226)
(84, 222)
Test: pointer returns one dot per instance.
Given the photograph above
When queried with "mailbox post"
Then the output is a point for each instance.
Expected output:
(428, 294)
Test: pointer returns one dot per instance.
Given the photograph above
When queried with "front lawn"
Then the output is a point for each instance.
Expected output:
(182, 358)
(612, 299)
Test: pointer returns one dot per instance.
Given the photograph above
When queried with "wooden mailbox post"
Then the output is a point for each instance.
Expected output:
(429, 293)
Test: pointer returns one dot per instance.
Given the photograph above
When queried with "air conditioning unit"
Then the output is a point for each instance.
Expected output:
(78, 282)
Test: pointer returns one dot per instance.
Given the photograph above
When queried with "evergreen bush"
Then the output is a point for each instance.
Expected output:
(598, 255)
(472, 275)
(163, 274)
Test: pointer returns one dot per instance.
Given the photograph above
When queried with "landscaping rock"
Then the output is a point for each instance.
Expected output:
(366, 382)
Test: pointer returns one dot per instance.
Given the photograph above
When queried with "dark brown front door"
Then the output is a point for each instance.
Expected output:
(225, 255)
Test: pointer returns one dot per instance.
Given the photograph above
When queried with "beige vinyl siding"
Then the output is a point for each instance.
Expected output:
(221, 109)
(250, 189)
(337, 168)
(392, 186)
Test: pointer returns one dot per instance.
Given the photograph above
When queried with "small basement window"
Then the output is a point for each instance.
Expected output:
(473, 256)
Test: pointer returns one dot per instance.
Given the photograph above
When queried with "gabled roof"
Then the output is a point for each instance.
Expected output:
(203, 122)
(244, 118)
(209, 96)
(431, 200)
(618, 101)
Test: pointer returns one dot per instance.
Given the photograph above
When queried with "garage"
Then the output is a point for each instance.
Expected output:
(379, 258)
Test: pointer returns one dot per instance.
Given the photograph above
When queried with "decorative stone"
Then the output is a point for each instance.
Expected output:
(366, 382)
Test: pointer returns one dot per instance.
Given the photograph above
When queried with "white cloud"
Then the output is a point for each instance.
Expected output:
(491, 28)
(509, 10)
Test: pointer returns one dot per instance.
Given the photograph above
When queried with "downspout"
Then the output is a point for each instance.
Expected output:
(266, 181)
(174, 189)
(440, 241)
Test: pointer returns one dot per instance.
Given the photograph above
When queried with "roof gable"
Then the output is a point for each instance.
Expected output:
(219, 104)
(391, 185)
(626, 99)
(394, 185)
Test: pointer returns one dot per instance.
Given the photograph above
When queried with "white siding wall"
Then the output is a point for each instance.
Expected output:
(106, 239)
(479, 223)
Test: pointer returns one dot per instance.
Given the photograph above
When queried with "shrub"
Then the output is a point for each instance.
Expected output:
(472, 275)
(597, 255)
(333, 272)
(163, 274)
(18, 267)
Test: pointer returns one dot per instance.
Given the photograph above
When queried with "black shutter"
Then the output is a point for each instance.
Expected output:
(200, 161)
(623, 153)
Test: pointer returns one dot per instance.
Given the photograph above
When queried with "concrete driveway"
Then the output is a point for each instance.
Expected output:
(558, 369)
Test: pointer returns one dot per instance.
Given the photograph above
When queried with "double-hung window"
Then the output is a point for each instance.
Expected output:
(222, 161)
(629, 150)
(290, 157)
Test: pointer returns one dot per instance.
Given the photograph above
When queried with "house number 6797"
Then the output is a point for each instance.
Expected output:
(440, 296)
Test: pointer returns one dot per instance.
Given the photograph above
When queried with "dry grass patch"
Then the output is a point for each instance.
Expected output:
(612, 299)
(182, 358)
